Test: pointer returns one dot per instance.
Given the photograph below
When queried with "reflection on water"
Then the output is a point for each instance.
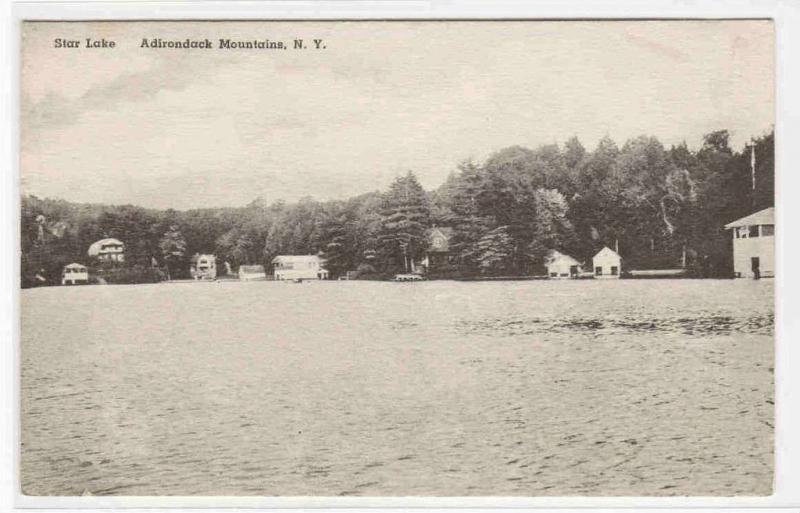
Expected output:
(436, 388)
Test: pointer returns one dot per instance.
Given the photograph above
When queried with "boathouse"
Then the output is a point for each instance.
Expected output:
(109, 250)
(203, 267)
(607, 264)
(561, 266)
(299, 267)
(252, 273)
(75, 274)
(754, 244)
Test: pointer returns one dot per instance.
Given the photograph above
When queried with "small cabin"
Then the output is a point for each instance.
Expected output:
(109, 250)
(203, 267)
(754, 244)
(438, 255)
(75, 274)
(252, 273)
(561, 266)
(607, 264)
(299, 267)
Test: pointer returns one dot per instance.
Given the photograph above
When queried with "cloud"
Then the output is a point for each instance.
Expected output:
(55, 111)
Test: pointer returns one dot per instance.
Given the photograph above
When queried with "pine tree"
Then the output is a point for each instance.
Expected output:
(173, 248)
(405, 217)
(494, 251)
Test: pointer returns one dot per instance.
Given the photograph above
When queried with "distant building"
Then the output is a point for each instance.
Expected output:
(438, 254)
(559, 265)
(203, 267)
(754, 244)
(75, 274)
(299, 267)
(109, 250)
(607, 263)
(252, 273)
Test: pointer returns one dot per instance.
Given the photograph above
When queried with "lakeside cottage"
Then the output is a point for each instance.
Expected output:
(299, 267)
(75, 274)
(560, 266)
(607, 264)
(754, 244)
(438, 254)
(252, 273)
(203, 267)
(109, 250)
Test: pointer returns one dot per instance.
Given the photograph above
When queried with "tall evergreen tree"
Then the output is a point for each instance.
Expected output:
(405, 216)
(173, 249)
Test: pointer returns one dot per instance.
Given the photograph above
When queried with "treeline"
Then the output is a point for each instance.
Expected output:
(656, 204)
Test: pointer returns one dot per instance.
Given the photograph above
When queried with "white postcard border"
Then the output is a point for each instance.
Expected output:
(787, 429)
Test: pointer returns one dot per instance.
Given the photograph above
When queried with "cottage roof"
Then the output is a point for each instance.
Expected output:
(766, 216)
(556, 256)
(74, 265)
(251, 269)
(295, 259)
(198, 256)
(443, 232)
(94, 249)
(607, 252)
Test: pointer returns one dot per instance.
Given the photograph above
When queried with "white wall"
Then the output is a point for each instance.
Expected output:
(745, 249)
(606, 262)
(560, 267)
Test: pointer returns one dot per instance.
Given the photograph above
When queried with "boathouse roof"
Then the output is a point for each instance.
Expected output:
(607, 252)
(251, 269)
(766, 216)
(296, 259)
(556, 256)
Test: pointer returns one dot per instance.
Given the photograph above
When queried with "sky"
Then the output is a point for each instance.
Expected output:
(175, 128)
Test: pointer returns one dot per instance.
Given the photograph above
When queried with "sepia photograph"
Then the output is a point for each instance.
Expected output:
(397, 258)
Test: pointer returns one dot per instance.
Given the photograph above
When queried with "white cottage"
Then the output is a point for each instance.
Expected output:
(754, 244)
(299, 267)
(607, 264)
(110, 250)
(203, 267)
(559, 265)
(75, 274)
(252, 273)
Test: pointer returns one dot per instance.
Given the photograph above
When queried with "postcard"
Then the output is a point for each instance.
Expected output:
(395, 258)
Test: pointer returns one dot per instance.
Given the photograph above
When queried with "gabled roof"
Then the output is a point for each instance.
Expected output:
(555, 255)
(766, 216)
(443, 232)
(74, 265)
(607, 252)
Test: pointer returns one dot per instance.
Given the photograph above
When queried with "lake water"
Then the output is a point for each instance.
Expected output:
(366, 388)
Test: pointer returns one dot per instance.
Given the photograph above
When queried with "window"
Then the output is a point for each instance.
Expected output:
(754, 231)
(614, 270)
(598, 271)
(554, 275)
(767, 230)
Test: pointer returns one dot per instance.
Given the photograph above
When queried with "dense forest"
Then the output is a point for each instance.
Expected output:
(655, 204)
